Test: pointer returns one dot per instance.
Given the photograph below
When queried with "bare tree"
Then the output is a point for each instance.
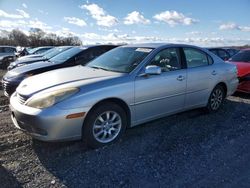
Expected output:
(36, 37)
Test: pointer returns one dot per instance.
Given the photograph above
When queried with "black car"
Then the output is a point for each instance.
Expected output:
(52, 53)
(75, 56)
(231, 51)
(220, 52)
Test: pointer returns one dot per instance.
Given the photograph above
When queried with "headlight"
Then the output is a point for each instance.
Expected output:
(46, 100)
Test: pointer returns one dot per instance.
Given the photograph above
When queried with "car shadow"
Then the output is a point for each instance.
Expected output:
(242, 95)
(177, 151)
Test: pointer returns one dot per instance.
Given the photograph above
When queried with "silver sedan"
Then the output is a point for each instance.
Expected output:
(122, 88)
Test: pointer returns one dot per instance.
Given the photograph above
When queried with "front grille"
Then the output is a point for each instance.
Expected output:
(21, 98)
(8, 88)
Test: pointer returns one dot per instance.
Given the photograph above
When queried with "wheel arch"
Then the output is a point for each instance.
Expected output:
(114, 100)
(223, 85)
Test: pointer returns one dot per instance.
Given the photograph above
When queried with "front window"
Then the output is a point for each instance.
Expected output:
(242, 56)
(167, 59)
(9, 50)
(123, 59)
(64, 56)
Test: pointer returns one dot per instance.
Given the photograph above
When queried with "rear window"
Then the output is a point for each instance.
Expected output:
(7, 50)
(242, 56)
(196, 58)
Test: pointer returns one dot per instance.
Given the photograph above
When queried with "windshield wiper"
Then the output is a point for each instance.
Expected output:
(110, 70)
(94, 67)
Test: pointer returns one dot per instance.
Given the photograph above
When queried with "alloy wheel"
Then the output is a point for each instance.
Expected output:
(107, 126)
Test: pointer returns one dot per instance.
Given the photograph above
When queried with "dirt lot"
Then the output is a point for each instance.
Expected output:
(191, 149)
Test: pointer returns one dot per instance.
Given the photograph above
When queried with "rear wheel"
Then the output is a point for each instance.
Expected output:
(216, 99)
(104, 125)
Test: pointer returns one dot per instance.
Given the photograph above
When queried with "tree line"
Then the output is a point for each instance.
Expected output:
(36, 37)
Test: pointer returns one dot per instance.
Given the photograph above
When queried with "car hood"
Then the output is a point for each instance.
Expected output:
(243, 68)
(29, 68)
(28, 60)
(74, 77)
(29, 56)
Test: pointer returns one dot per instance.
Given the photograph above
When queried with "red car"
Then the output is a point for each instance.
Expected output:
(242, 61)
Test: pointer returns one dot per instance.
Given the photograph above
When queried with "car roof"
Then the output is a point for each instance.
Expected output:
(159, 45)
(216, 48)
(147, 45)
(95, 45)
(245, 49)
(64, 46)
(7, 47)
(40, 47)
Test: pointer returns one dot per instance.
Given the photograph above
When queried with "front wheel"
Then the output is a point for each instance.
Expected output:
(104, 125)
(216, 99)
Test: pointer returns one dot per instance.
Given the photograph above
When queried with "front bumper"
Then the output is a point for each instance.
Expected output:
(48, 124)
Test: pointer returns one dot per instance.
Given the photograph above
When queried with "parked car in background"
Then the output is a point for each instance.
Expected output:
(124, 87)
(39, 50)
(51, 53)
(71, 57)
(34, 55)
(7, 55)
(220, 52)
(231, 51)
(242, 61)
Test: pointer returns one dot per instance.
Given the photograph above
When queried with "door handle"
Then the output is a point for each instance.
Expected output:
(214, 72)
(180, 78)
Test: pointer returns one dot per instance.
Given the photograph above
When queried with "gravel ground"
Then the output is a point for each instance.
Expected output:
(191, 149)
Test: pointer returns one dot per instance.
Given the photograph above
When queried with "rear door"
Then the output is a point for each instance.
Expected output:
(200, 73)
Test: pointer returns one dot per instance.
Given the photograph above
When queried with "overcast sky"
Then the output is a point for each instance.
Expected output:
(204, 23)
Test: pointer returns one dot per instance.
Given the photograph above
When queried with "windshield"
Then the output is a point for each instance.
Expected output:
(48, 51)
(64, 56)
(242, 56)
(33, 50)
(55, 52)
(123, 59)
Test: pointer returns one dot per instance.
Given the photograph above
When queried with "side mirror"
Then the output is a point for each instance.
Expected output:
(152, 70)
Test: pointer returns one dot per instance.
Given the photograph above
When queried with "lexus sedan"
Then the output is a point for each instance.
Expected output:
(71, 57)
(25, 61)
(242, 61)
(122, 88)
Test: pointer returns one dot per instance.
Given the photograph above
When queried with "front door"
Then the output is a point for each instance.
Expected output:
(157, 95)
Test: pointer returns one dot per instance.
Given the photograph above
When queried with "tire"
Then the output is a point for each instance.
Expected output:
(104, 125)
(216, 99)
